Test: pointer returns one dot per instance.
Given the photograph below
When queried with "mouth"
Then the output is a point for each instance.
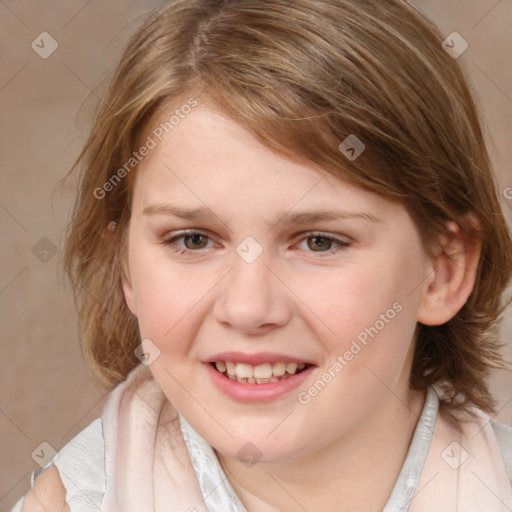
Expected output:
(257, 377)
(264, 373)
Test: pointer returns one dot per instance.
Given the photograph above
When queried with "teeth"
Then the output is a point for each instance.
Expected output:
(259, 374)
(244, 371)
(291, 368)
(279, 369)
(230, 366)
(263, 371)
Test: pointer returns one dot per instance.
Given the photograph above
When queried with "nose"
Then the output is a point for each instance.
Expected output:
(253, 299)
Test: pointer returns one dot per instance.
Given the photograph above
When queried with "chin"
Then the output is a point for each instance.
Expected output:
(256, 443)
(257, 451)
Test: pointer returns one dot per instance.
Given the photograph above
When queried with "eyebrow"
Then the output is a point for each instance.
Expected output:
(204, 213)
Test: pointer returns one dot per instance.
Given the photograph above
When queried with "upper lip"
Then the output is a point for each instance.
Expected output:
(255, 359)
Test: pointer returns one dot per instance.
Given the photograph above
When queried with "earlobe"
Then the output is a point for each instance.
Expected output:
(452, 277)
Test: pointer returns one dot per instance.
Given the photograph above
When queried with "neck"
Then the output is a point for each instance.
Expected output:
(358, 472)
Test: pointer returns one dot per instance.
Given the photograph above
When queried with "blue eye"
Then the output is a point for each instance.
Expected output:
(194, 241)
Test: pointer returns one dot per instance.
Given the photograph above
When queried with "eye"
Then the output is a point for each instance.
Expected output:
(322, 242)
(192, 240)
(195, 240)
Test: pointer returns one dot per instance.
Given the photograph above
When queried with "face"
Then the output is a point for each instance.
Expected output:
(303, 286)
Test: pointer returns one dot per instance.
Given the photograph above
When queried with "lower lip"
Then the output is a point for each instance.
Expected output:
(256, 392)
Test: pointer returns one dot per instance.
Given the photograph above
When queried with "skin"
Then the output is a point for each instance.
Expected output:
(48, 494)
(296, 298)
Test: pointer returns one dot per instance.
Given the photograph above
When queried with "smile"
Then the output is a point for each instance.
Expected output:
(264, 373)
(256, 378)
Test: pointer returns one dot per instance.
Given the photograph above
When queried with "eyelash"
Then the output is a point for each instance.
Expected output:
(312, 234)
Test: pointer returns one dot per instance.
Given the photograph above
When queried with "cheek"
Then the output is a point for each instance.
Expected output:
(348, 300)
(366, 314)
(166, 297)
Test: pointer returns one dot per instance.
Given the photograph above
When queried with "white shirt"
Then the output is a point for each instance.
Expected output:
(81, 464)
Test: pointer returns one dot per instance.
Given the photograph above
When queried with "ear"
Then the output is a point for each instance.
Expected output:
(129, 296)
(453, 275)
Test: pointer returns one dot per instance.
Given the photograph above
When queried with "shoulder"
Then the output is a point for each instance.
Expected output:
(484, 435)
(503, 432)
(85, 451)
(75, 478)
(503, 435)
(81, 464)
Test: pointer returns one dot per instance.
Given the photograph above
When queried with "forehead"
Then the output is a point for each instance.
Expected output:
(207, 158)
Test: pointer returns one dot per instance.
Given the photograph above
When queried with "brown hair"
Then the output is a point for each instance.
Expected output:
(302, 76)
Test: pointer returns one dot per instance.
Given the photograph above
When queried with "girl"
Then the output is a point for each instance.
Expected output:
(289, 256)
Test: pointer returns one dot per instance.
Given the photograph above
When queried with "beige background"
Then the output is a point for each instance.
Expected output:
(46, 106)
